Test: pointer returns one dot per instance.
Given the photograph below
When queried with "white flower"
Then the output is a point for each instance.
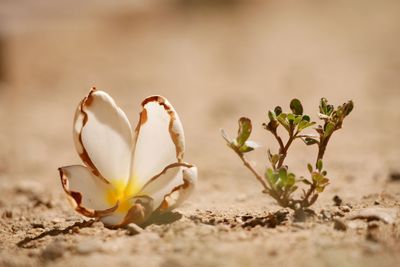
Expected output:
(128, 175)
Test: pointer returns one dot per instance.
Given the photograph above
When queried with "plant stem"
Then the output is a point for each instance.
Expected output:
(250, 167)
(281, 145)
(284, 149)
(322, 146)
(305, 201)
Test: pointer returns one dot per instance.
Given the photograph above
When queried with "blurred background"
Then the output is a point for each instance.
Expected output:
(215, 60)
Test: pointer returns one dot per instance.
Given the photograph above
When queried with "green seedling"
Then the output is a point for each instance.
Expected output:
(278, 181)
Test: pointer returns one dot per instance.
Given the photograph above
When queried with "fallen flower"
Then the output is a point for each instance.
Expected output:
(128, 175)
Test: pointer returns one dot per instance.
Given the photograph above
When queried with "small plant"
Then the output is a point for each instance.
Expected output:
(278, 181)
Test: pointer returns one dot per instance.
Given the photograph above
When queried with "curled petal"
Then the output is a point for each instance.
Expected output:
(170, 187)
(181, 192)
(103, 137)
(86, 191)
(159, 139)
(140, 211)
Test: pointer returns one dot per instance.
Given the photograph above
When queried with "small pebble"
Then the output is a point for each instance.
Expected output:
(345, 208)
(133, 229)
(337, 200)
(394, 176)
(7, 214)
(37, 225)
(339, 225)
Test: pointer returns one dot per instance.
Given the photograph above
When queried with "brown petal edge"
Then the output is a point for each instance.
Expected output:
(86, 102)
(173, 165)
(75, 198)
(175, 136)
(171, 200)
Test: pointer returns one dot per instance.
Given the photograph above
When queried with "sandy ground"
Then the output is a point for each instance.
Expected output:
(215, 63)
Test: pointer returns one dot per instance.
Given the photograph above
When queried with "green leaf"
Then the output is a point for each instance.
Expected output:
(304, 124)
(275, 159)
(320, 189)
(329, 109)
(286, 179)
(323, 106)
(316, 177)
(306, 118)
(271, 115)
(248, 146)
(309, 167)
(271, 176)
(271, 126)
(297, 119)
(269, 172)
(348, 107)
(324, 181)
(283, 174)
(319, 165)
(329, 129)
(291, 180)
(296, 107)
(282, 120)
(291, 117)
(278, 110)
(269, 155)
(309, 141)
(307, 182)
(244, 131)
(245, 148)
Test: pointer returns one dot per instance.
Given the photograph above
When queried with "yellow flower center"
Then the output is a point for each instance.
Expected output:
(122, 193)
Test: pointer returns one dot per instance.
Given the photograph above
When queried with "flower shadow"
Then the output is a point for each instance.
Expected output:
(25, 243)
(161, 219)
(157, 219)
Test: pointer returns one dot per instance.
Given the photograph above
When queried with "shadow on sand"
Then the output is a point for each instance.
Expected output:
(157, 219)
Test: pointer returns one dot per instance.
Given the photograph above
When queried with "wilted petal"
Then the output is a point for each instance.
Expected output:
(87, 192)
(172, 186)
(159, 139)
(181, 192)
(103, 137)
(140, 211)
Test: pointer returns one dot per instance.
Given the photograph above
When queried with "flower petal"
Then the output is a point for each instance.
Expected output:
(103, 137)
(142, 208)
(172, 186)
(159, 139)
(87, 192)
(181, 192)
